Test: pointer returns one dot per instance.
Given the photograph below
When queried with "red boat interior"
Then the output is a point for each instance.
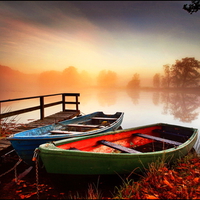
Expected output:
(131, 141)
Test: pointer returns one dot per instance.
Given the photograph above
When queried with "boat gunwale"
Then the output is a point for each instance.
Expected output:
(55, 150)
(18, 136)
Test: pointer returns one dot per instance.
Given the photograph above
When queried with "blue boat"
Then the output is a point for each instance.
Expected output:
(26, 142)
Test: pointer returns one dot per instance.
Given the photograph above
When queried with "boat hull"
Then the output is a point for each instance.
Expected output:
(60, 161)
(26, 142)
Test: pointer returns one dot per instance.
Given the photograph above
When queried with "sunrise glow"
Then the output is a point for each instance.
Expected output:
(124, 37)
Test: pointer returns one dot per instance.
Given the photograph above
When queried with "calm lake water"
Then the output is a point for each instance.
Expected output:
(139, 107)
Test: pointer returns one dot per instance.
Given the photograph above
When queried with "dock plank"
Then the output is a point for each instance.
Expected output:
(54, 118)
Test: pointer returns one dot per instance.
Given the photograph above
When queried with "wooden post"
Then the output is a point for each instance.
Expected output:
(76, 102)
(41, 107)
(0, 120)
(63, 102)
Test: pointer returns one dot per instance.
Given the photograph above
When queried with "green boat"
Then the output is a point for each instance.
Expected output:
(117, 152)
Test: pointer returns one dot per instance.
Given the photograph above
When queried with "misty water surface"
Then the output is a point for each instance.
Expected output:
(140, 107)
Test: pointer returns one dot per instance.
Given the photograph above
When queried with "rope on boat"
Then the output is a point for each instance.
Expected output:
(35, 159)
(35, 154)
(19, 161)
(37, 178)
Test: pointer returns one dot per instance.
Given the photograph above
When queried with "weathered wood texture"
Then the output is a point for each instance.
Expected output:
(42, 105)
(43, 121)
(57, 117)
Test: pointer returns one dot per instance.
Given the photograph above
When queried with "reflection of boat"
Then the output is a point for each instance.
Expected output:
(25, 142)
(120, 151)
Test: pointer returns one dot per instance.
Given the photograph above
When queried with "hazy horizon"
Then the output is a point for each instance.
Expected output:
(54, 78)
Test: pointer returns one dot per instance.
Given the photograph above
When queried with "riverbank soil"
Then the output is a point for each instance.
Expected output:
(38, 184)
(180, 181)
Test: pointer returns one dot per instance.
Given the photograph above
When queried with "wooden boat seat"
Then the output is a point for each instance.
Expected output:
(169, 133)
(117, 147)
(64, 132)
(105, 118)
(157, 139)
(83, 125)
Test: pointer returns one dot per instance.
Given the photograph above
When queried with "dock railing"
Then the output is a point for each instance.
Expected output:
(42, 105)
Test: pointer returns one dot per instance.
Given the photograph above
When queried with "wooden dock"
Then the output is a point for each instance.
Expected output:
(57, 117)
(44, 120)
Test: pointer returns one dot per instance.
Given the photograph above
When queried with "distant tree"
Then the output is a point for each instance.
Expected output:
(193, 7)
(166, 78)
(70, 76)
(107, 78)
(135, 82)
(156, 80)
(50, 78)
(185, 73)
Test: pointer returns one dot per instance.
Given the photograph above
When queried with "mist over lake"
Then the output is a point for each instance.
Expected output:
(140, 107)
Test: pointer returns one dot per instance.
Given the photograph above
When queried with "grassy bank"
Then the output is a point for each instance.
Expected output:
(179, 181)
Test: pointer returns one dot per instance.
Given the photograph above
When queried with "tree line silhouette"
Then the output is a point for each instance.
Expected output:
(185, 73)
(70, 77)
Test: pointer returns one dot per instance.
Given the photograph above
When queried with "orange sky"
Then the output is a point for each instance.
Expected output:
(126, 37)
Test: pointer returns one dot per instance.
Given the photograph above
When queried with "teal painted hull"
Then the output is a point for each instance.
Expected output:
(26, 142)
(58, 160)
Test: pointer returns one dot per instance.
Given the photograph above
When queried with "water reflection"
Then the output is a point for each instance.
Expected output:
(106, 97)
(181, 105)
(134, 94)
(156, 98)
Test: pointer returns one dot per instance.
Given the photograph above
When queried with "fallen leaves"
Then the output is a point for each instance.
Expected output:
(180, 182)
(165, 181)
(196, 180)
(26, 190)
(148, 196)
